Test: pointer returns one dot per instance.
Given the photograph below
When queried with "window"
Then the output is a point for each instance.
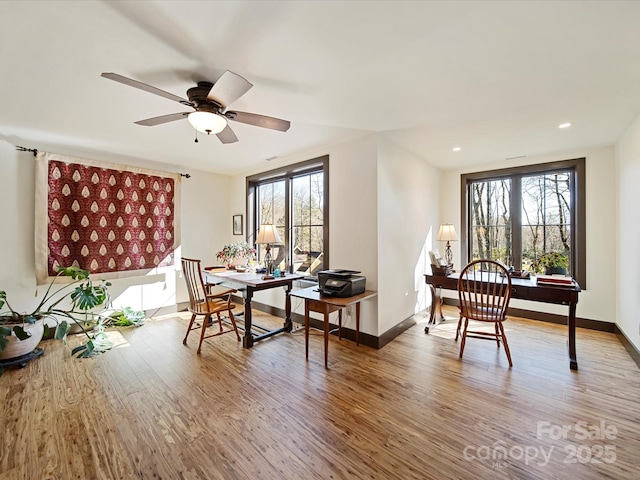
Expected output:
(295, 200)
(516, 215)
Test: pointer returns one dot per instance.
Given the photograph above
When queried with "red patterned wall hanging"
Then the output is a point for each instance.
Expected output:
(107, 220)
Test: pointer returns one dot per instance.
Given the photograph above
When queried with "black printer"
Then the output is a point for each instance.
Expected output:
(341, 283)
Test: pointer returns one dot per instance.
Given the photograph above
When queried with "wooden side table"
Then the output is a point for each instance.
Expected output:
(314, 301)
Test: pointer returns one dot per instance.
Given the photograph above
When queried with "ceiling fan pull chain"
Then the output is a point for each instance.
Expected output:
(196, 141)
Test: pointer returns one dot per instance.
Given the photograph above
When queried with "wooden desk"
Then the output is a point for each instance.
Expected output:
(314, 301)
(248, 284)
(523, 289)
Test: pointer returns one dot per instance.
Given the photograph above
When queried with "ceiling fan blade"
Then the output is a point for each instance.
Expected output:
(229, 87)
(259, 120)
(150, 122)
(227, 135)
(145, 87)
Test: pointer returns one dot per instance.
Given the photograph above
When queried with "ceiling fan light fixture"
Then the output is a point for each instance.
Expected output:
(207, 122)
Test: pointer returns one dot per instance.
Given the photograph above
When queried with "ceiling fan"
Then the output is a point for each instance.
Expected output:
(209, 101)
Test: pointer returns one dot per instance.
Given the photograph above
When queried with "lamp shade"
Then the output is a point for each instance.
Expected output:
(268, 234)
(207, 122)
(447, 233)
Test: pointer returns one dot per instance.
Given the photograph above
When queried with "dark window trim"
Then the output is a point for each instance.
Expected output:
(288, 172)
(578, 201)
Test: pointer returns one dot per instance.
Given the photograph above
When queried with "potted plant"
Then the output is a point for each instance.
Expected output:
(552, 263)
(65, 303)
(235, 254)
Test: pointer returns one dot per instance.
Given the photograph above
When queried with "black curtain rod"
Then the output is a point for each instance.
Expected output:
(35, 152)
(24, 149)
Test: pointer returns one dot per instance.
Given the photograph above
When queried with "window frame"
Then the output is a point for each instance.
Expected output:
(288, 173)
(578, 215)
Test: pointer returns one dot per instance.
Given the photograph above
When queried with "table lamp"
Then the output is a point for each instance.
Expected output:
(447, 233)
(267, 235)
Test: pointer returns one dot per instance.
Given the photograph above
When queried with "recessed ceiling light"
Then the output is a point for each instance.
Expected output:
(456, 149)
(564, 125)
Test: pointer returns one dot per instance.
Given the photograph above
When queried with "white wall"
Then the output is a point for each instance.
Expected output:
(628, 227)
(408, 220)
(205, 209)
(206, 221)
(596, 302)
(353, 219)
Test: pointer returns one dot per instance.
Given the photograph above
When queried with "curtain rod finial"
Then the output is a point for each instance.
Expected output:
(24, 149)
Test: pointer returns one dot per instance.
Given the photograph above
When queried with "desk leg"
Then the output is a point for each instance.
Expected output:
(573, 360)
(288, 324)
(326, 335)
(436, 304)
(306, 328)
(358, 323)
(340, 324)
(247, 340)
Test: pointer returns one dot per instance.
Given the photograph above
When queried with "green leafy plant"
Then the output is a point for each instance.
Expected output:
(550, 260)
(234, 250)
(126, 317)
(65, 303)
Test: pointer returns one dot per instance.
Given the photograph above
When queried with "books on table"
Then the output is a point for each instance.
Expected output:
(555, 280)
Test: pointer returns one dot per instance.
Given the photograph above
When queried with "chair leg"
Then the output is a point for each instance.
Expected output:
(193, 317)
(498, 334)
(464, 335)
(458, 329)
(233, 322)
(506, 345)
(219, 321)
(205, 322)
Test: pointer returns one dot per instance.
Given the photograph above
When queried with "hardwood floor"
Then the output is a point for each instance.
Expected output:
(153, 409)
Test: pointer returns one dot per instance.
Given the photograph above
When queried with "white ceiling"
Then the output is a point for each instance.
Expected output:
(495, 78)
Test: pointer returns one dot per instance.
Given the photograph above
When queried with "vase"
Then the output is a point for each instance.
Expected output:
(16, 347)
(237, 262)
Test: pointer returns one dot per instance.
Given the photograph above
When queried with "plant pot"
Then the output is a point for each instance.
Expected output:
(555, 271)
(17, 348)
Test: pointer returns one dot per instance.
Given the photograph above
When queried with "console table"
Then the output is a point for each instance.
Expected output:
(523, 289)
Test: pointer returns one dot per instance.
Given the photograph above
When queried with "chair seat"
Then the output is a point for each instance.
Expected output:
(482, 313)
(213, 305)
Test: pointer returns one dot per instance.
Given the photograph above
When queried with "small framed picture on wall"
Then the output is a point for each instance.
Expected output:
(237, 224)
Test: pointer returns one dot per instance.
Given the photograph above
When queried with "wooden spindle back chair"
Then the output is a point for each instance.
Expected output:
(484, 291)
(206, 300)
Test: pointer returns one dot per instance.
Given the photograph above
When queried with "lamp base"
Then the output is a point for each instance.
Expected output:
(448, 255)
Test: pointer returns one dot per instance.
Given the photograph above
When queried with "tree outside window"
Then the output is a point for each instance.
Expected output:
(515, 216)
(294, 199)
(272, 211)
(308, 223)
(491, 220)
(546, 216)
